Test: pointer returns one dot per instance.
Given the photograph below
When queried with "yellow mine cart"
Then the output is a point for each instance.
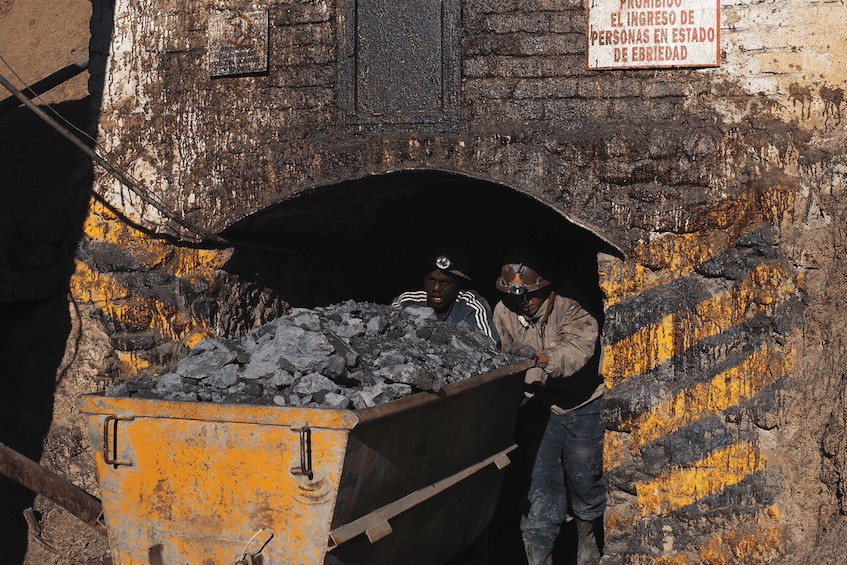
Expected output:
(411, 481)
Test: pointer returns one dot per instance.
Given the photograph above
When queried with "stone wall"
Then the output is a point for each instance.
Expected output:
(719, 187)
(710, 200)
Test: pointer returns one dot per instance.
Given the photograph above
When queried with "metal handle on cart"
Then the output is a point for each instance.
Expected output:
(110, 453)
(305, 467)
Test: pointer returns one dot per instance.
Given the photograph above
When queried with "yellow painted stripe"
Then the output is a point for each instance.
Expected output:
(130, 364)
(668, 257)
(153, 253)
(87, 285)
(640, 352)
(721, 469)
(650, 346)
(615, 449)
(724, 391)
(104, 292)
(661, 261)
(201, 262)
(760, 542)
(113, 298)
(756, 546)
(760, 537)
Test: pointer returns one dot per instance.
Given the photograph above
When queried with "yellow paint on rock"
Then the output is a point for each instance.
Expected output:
(650, 346)
(722, 392)
(137, 312)
(87, 285)
(615, 452)
(104, 226)
(130, 364)
(756, 543)
(723, 468)
(668, 257)
(640, 352)
(153, 253)
(198, 334)
(94, 226)
(661, 261)
(200, 261)
(751, 547)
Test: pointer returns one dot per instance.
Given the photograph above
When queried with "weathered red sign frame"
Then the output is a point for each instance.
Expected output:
(643, 34)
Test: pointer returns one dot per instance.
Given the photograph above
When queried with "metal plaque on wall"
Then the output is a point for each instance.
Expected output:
(238, 42)
(399, 62)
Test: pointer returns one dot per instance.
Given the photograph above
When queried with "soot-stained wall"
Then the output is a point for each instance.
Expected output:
(709, 201)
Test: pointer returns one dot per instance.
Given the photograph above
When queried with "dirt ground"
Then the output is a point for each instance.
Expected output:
(37, 39)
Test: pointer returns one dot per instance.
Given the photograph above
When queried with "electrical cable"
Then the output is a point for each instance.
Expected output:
(135, 186)
(122, 177)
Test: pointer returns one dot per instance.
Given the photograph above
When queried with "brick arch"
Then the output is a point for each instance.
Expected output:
(364, 238)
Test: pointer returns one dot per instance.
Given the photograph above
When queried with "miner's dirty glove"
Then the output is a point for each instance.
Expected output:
(521, 349)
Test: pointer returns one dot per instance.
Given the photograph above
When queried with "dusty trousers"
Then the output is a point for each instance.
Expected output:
(564, 455)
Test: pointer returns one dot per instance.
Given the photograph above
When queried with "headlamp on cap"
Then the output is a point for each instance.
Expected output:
(517, 286)
(448, 265)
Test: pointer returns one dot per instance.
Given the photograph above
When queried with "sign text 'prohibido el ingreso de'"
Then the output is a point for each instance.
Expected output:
(625, 34)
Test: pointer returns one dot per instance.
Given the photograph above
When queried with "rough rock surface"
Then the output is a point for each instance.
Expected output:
(348, 355)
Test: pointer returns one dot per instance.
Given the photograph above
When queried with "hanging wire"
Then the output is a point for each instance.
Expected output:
(123, 177)
(204, 238)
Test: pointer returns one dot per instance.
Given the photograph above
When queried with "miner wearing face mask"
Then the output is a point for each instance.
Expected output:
(559, 427)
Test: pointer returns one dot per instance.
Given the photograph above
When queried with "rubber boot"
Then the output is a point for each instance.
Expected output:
(587, 552)
(538, 555)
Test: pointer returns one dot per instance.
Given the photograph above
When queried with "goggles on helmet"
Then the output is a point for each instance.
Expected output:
(518, 280)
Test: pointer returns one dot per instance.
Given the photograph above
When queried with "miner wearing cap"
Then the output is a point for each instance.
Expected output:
(559, 427)
(446, 290)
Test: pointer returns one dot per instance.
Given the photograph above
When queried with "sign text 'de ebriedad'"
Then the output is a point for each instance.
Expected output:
(625, 34)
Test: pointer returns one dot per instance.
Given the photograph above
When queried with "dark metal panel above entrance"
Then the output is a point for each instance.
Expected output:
(399, 61)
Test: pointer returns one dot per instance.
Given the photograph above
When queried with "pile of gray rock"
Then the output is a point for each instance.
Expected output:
(346, 356)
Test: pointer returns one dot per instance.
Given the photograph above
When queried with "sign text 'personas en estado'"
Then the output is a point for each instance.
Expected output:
(653, 33)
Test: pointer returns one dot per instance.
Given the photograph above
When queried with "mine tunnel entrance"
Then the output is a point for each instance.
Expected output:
(367, 239)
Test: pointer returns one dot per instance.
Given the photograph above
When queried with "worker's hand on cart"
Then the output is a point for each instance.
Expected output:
(527, 351)
(521, 349)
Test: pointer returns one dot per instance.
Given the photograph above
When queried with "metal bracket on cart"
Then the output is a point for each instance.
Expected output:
(375, 524)
(305, 467)
(110, 451)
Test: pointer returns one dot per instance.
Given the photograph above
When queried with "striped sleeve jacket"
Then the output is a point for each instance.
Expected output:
(469, 307)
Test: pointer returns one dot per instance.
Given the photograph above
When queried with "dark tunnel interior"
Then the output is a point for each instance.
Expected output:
(368, 239)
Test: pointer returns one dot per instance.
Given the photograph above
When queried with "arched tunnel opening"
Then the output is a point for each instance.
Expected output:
(368, 239)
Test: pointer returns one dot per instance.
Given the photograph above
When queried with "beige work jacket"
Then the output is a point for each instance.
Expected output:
(569, 336)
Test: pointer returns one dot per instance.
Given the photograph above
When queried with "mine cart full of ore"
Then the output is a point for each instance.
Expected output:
(413, 480)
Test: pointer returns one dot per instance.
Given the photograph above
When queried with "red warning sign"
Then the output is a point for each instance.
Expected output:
(626, 34)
